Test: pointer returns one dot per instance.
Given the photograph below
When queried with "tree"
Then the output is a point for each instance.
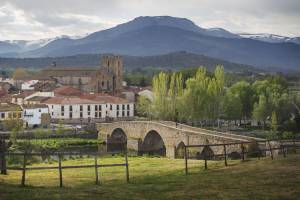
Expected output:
(246, 95)
(196, 96)
(274, 122)
(14, 126)
(143, 107)
(167, 92)
(232, 106)
(19, 74)
(261, 110)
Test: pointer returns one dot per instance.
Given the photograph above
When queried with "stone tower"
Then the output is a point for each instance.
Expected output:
(114, 64)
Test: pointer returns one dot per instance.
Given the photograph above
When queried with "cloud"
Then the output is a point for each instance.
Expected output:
(32, 19)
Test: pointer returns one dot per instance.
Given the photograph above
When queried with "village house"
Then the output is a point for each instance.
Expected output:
(28, 85)
(9, 111)
(30, 97)
(35, 115)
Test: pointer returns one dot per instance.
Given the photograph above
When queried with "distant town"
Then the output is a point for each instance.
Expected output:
(69, 95)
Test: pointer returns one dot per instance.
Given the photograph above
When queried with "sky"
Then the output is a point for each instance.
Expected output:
(36, 19)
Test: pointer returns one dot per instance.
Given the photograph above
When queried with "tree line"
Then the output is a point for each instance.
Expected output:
(205, 97)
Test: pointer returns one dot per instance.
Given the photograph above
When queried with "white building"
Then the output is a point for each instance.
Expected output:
(28, 85)
(89, 108)
(32, 114)
(25, 97)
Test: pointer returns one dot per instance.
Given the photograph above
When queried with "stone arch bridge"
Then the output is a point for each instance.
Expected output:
(165, 138)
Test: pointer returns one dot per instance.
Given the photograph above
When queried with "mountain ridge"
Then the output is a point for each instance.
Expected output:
(146, 36)
(175, 60)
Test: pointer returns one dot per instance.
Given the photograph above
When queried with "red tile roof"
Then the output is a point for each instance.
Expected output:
(70, 100)
(24, 94)
(67, 91)
(104, 97)
(97, 98)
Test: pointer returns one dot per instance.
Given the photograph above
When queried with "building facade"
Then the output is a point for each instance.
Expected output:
(33, 114)
(81, 109)
(9, 111)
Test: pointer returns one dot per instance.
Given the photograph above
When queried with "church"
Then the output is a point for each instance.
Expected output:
(107, 78)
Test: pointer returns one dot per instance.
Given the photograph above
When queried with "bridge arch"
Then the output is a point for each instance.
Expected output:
(153, 143)
(179, 151)
(207, 153)
(117, 141)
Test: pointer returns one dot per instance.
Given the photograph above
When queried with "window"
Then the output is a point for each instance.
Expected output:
(128, 114)
(123, 107)
(14, 115)
(117, 107)
(52, 113)
(123, 114)
(62, 108)
(9, 115)
(80, 108)
(62, 113)
(52, 106)
(110, 107)
(128, 107)
(100, 107)
(2, 115)
(89, 108)
(70, 115)
(19, 115)
(96, 115)
(96, 107)
(71, 108)
(40, 110)
(81, 114)
(89, 113)
(117, 113)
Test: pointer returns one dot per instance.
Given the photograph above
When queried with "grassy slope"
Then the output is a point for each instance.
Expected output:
(161, 178)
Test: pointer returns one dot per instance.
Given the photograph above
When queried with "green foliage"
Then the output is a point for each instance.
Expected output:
(232, 106)
(60, 129)
(244, 91)
(14, 126)
(167, 92)
(274, 122)
(142, 106)
(193, 94)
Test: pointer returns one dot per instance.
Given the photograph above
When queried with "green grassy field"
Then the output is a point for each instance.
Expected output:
(162, 178)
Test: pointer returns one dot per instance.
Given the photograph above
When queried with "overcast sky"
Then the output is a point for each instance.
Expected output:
(34, 19)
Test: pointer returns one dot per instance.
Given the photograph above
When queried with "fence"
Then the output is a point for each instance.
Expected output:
(284, 146)
(60, 166)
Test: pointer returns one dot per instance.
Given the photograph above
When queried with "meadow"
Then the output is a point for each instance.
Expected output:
(160, 178)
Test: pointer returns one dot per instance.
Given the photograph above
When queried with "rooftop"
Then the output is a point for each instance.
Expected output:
(95, 98)
(23, 94)
(4, 107)
(38, 98)
(67, 91)
(70, 100)
(34, 106)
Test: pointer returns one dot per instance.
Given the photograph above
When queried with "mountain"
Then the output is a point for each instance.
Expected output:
(149, 36)
(265, 37)
(176, 60)
(6, 47)
(18, 46)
